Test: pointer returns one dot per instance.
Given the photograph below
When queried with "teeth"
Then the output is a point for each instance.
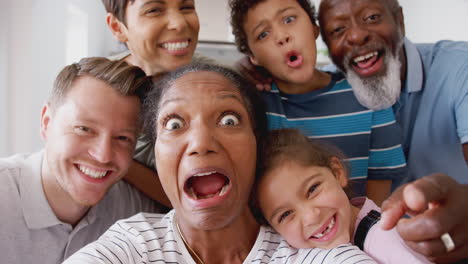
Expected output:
(365, 57)
(223, 190)
(204, 174)
(92, 173)
(327, 230)
(192, 193)
(173, 46)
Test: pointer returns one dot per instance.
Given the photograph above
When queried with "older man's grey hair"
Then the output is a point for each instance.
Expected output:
(250, 96)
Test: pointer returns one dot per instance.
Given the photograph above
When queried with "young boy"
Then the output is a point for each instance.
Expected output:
(280, 35)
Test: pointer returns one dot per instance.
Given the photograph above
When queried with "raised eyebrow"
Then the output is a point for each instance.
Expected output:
(171, 100)
(229, 96)
(263, 21)
(259, 25)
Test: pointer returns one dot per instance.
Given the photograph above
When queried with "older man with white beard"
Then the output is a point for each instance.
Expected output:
(427, 85)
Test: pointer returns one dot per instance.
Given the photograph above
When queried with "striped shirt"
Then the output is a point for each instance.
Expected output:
(152, 238)
(371, 140)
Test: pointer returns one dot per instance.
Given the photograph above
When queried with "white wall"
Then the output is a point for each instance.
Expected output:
(35, 44)
(33, 48)
(433, 20)
(4, 91)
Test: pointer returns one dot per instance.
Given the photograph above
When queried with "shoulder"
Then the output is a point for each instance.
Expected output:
(14, 161)
(19, 166)
(146, 221)
(270, 247)
(345, 254)
(444, 55)
(140, 238)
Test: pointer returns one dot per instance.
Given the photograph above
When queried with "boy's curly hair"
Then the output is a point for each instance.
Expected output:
(239, 9)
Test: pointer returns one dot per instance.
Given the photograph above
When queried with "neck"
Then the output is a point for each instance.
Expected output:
(230, 244)
(59, 200)
(318, 81)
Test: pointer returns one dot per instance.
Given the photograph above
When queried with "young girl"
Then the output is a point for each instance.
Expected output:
(301, 192)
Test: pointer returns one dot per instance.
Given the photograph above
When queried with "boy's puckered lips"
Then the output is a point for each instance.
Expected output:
(294, 59)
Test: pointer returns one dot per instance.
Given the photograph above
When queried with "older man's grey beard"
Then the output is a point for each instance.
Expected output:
(378, 92)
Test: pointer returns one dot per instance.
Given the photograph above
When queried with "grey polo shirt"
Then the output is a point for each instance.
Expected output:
(30, 231)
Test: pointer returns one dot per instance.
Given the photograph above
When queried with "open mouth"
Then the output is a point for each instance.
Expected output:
(368, 64)
(95, 174)
(294, 59)
(207, 185)
(326, 230)
(367, 60)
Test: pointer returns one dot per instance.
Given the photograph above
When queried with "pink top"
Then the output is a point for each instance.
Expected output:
(384, 246)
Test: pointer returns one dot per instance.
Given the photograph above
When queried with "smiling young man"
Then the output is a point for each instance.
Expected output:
(65, 196)
(427, 85)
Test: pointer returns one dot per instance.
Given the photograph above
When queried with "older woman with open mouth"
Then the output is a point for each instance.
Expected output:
(207, 124)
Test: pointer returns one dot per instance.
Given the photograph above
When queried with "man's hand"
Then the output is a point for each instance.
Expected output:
(257, 75)
(437, 205)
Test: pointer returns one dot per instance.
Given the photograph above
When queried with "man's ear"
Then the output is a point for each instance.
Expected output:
(118, 29)
(254, 61)
(339, 171)
(46, 116)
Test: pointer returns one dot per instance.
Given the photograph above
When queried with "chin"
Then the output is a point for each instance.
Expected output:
(213, 221)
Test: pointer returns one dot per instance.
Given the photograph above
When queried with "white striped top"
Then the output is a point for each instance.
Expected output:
(151, 238)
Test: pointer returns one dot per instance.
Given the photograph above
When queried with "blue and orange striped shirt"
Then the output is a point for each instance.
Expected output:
(371, 140)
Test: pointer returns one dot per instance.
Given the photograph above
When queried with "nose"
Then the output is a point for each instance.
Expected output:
(283, 38)
(101, 150)
(310, 216)
(202, 140)
(176, 21)
(357, 35)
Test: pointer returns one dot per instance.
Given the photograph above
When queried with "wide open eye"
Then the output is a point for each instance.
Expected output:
(230, 119)
(173, 123)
